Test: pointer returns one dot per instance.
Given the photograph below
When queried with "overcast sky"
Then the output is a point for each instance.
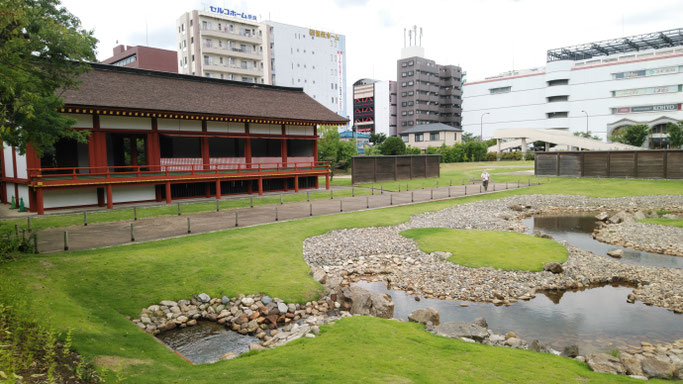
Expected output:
(484, 37)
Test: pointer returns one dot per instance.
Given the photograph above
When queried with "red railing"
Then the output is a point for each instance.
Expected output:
(179, 171)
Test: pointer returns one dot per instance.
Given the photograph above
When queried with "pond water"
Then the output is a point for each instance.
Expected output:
(577, 229)
(596, 319)
(206, 342)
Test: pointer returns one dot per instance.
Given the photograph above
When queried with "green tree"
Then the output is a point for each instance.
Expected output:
(43, 51)
(675, 134)
(636, 134)
(345, 151)
(413, 150)
(377, 138)
(469, 136)
(393, 146)
(475, 151)
(587, 135)
(329, 142)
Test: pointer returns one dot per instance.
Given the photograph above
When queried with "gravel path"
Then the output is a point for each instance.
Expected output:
(383, 254)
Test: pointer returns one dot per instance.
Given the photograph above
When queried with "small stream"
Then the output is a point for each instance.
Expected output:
(595, 319)
(576, 230)
(206, 342)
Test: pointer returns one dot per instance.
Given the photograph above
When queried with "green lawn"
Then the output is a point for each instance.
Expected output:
(500, 250)
(669, 222)
(92, 292)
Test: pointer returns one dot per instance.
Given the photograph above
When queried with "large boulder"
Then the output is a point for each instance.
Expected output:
(553, 267)
(364, 302)
(461, 329)
(570, 351)
(658, 366)
(602, 216)
(633, 364)
(602, 362)
(425, 315)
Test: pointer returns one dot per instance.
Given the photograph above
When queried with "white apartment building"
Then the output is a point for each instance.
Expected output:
(600, 86)
(222, 43)
(311, 59)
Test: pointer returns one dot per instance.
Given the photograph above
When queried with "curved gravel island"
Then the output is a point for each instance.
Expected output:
(382, 254)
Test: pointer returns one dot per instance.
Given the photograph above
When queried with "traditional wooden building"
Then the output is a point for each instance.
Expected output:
(158, 136)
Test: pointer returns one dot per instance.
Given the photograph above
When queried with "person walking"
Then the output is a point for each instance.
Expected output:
(485, 180)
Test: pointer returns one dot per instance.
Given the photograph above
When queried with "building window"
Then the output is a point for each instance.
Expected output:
(404, 65)
(494, 91)
(404, 113)
(404, 104)
(404, 137)
(410, 83)
(403, 124)
(207, 60)
(410, 123)
(411, 93)
(127, 60)
(403, 74)
(553, 83)
(403, 84)
(557, 115)
(404, 94)
(554, 99)
(419, 137)
(411, 63)
(434, 136)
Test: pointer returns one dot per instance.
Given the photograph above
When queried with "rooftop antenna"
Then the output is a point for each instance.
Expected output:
(404, 37)
(410, 37)
(415, 34)
(420, 36)
(146, 32)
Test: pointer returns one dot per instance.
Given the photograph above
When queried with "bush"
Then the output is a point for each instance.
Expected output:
(12, 246)
(393, 146)
(413, 150)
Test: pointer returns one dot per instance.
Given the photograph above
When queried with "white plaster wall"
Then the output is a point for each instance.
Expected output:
(119, 122)
(224, 127)
(179, 125)
(265, 129)
(82, 121)
(57, 198)
(9, 189)
(299, 130)
(22, 173)
(23, 194)
(7, 161)
(133, 193)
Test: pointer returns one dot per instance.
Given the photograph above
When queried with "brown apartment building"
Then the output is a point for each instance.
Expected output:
(144, 57)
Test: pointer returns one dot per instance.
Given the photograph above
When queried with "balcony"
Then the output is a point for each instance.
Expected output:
(232, 52)
(233, 69)
(231, 35)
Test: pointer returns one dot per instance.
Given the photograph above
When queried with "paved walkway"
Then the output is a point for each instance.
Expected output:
(98, 235)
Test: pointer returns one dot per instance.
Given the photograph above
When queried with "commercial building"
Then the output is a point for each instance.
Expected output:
(374, 106)
(427, 92)
(359, 139)
(431, 135)
(144, 57)
(600, 87)
(224, 44)
(309, 58)
(149, 141)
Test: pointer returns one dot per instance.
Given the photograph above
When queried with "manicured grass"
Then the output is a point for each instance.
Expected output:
(92, 292)
(669, 222)
(51, 221)
(500, 250)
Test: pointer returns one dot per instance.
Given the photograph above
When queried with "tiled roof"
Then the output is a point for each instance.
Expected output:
(108, 86)
(434, 127)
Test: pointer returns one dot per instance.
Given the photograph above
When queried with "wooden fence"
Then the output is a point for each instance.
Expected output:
(662, 164)
(401, 167)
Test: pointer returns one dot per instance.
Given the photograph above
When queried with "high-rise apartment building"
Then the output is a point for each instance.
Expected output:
(311, 59)
(374, 106)
(222, 43)
(426, 92)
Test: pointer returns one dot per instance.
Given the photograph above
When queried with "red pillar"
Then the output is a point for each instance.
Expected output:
(16, 176)
(315, 144)
(153, 148)
(260, 186)
(327, 181)
(206, 159)
(218, 189)
(296, 183)
(247, 152)
(110, 197)
(39, 201)
(168, 193)
(283, 147)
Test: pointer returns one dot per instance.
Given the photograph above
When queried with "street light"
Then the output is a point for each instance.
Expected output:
(586, 121)
(481, 126)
